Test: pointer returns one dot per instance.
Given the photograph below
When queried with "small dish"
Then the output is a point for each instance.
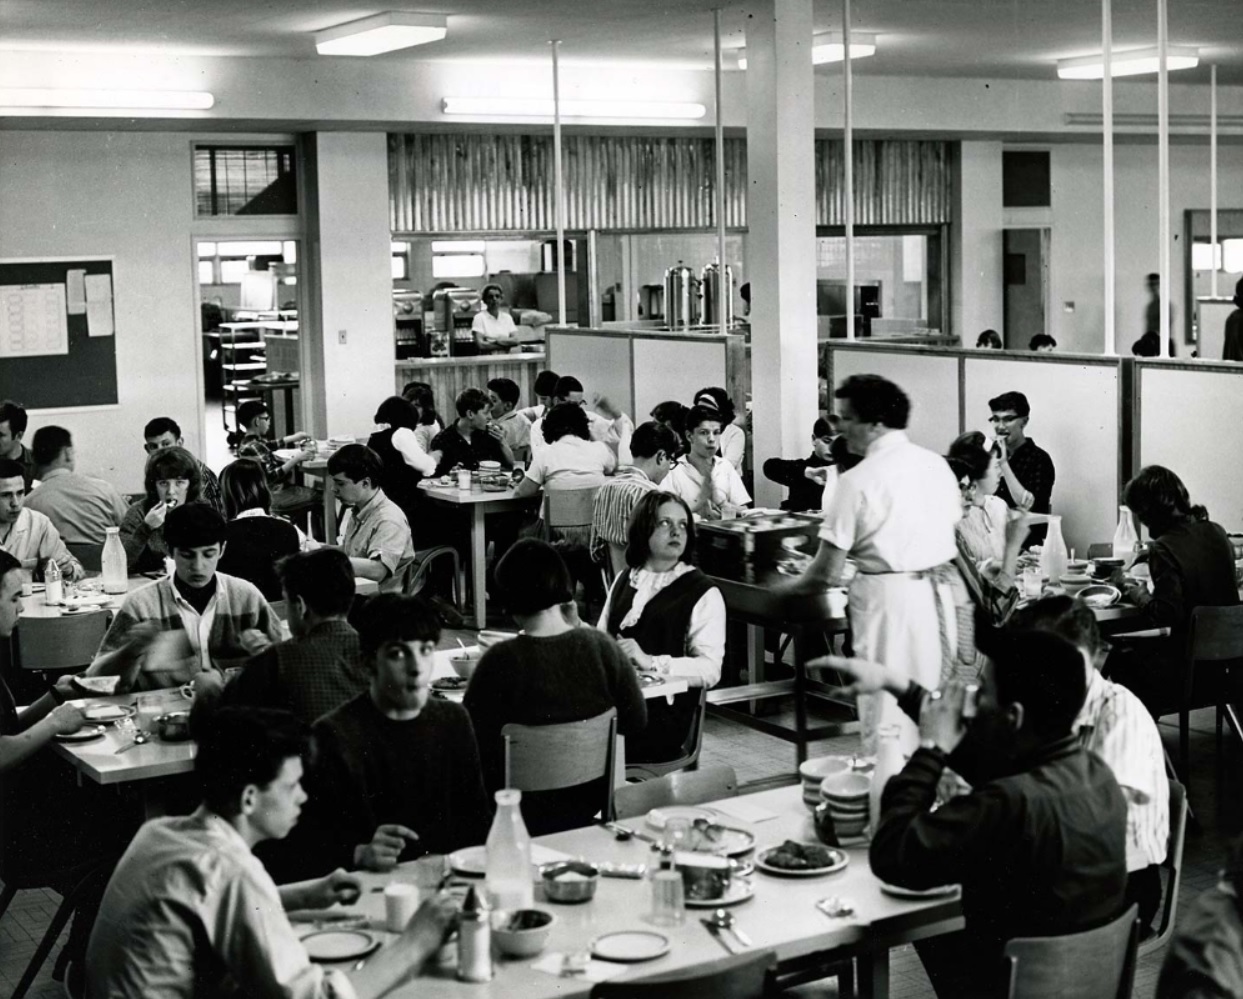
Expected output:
(449, 683)
(658, 818)
(571, 882)
(473, 860)
(739, 891)
(1099, 595)
(846, 788)
(339, 945)
(465, 665)
(941, 891)
(87, 733)
(104, 713)
(837, 860)
(523, 932)
(630, 946)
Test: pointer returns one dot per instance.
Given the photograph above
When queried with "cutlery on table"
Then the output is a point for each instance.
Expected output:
(139, 739)
(725, 920)
(717, 932)
(625, 832)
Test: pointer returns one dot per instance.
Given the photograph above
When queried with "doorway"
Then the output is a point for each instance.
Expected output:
(1026, 277)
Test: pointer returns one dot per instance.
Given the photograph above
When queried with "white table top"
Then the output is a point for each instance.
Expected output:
(476, 495)
(781, 915)
(36, 604)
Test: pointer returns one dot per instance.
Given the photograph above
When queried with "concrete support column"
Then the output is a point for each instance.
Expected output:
(977, 296)
(348, 347)
(781, 224)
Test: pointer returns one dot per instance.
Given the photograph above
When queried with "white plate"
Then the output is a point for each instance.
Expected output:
(97, 685)
(629, 946)
(738, 891)
(87, 733)
(730, 842)
(107, 713)
(658, 818)
(84, 600)
(941, 891)
(285, 453)
(339, 945)
(473, 860)
(839, 860)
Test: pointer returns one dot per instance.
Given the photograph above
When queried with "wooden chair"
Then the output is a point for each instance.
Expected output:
(1215, 636)
(691, 745)
(1173, 865)
(1094, 964)
(686, 787)
(91, 556)
(744, 976)
(418, 572)
(60, 643)
(549, 757)
(567, 514)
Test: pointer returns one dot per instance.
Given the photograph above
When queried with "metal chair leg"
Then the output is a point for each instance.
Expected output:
(1184, 743)
(59, 919)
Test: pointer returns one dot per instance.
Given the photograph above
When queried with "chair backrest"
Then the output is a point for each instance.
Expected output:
(1173, 865)
(548, 757)
(744, 976)
(683, 787)
(569, 507)
(1216, 633)
(91, 556)
(1094, 964)
(66, 642)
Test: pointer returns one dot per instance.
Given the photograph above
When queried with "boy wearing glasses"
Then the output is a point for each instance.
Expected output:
(1027, 471)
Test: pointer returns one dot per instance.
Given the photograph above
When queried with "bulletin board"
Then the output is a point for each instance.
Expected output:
(58, 333)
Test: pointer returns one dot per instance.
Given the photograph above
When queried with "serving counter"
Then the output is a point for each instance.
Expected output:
(450, 375)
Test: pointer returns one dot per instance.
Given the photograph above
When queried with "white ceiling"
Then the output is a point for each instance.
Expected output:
(963, 38)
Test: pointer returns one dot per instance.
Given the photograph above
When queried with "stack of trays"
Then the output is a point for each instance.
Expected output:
(813, 773)
(847, 796)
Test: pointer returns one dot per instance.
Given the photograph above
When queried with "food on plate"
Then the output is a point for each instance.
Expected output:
(97, 684)
(792, 856)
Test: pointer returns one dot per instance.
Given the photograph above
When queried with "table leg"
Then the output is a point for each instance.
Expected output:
(619, 761)
(800, 697)
(330, 511)
(873, 974)
(478, 565)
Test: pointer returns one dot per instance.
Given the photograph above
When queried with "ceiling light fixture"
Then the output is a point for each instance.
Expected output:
(394, 29)
(832, 48)
(542, 107)
(1136, 62)
(43, 98)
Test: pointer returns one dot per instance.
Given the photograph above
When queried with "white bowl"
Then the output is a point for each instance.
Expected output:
(846, 788)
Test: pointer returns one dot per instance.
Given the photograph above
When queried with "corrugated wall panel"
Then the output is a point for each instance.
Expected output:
(497, 183)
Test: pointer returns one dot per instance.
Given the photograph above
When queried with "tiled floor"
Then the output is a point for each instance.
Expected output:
(762, 759)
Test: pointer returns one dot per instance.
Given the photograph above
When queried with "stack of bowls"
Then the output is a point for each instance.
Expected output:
(847, 797)
(813, 773)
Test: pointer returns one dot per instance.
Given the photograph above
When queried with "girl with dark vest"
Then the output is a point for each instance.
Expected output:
(405, 462)
(668, 618)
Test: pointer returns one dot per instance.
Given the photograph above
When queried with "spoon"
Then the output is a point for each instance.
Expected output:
(725, 920)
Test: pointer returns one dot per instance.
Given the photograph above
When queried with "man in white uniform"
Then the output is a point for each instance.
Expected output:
(894, 515)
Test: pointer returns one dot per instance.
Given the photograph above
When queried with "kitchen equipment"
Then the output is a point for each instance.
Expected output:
(652, 301)
(718, 295)
(569, 882)
(408, 324)
(681, 297)
(455, 312)
(749, 548)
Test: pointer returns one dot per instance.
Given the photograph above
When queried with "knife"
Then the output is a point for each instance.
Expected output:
(617, 829)
(720, 937)
(742, 937)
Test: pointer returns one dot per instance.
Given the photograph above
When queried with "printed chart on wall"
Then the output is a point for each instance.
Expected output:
(57, 333)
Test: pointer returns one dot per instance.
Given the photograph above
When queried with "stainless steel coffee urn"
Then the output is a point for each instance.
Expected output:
(718, 297)
(681, 297)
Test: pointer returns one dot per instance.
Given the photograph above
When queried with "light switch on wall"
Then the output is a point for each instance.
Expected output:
(341, 337)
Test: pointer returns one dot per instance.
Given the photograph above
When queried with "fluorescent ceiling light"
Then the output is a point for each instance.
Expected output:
(832, 48)
(1133, 63)
(138, 100)
(394, 29)
(542, 107)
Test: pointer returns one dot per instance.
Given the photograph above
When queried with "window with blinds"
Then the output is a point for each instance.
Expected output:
(245, 180)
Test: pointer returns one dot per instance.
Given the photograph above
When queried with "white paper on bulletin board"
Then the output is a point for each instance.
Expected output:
(99, 305)
(33, 320)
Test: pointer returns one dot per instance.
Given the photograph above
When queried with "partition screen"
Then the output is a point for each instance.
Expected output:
(1076, 417)
(601, 363)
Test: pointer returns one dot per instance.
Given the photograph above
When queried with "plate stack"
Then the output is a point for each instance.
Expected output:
(847, 797)
(813, 773)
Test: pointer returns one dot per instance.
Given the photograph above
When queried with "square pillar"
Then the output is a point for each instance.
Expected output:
(781, 232)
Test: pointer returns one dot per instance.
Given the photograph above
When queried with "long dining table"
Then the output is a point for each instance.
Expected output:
(780, 915)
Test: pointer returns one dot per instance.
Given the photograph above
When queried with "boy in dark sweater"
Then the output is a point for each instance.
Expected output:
(398, 773)
(798, 474)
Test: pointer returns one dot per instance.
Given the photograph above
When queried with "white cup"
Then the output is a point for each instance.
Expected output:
(463, 479)
(837, 602)
(401, 901)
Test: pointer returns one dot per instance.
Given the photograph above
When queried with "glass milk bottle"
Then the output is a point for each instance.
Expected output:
(1125, 537)
(508, 878)
(888, 762)
(55, 589)
(113, 562)
(1053, 555)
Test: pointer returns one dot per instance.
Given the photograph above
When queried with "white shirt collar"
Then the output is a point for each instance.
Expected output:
(885, 441)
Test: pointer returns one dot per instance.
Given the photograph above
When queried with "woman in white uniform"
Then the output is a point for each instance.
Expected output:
(493, 329)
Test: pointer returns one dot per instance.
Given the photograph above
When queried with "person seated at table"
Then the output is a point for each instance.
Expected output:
(13, 423)
(982, 530)
(47, 820)
(164, 432)
(570, 459)
(190, 910)
(472, 438)
(609, 425)
(405, 461)
(553, 672)
(398, 772)
(254, 539)
(989, 340)
(1114, 725)
(493, 329)
(1204, 959)
(288, 497)
(668, 618)
(1042, 343)
(80, 507)
(172, 478)
(419, 395)
(672, 414)
(318, 669)
(804, 477)
(545, 388)
(653, 449)
(1191, 564)
(375, 533)
(706, 481)
(27, 535)
(195, 621)
(1038, 844)
(732, 445)
(1027, 472)
(503, 397)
